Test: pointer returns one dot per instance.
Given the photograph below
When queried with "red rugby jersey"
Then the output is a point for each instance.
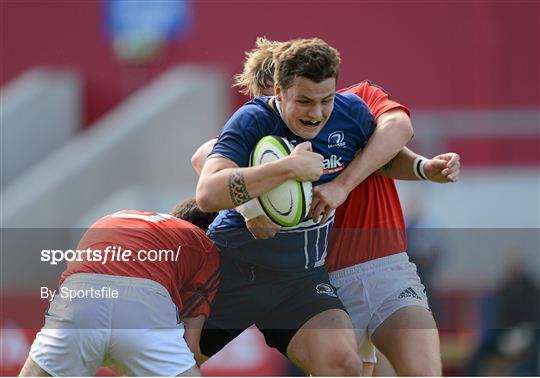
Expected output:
(370, 223)
(190, 272)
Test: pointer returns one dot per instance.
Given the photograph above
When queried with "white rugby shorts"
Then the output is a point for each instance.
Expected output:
(374, 290)
(139, 332)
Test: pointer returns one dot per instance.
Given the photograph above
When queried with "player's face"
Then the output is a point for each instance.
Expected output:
(307, 105)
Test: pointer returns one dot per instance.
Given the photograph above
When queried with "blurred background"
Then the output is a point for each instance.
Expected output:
(104, 102)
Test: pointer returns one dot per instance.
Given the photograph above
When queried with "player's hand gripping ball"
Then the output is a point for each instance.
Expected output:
(288, 204)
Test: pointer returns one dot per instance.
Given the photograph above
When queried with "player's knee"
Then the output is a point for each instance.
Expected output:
(343, 362)
(423, 367)
(351, 365)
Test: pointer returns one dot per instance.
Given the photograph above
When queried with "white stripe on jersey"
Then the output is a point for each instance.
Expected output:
(322, 259)
(319, 261)
(317, 244)
(306, 249)
(157, 217)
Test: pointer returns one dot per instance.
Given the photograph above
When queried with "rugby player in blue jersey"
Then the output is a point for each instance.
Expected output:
(280, 284)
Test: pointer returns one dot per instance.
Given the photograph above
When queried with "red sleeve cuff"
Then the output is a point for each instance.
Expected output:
(391, 105)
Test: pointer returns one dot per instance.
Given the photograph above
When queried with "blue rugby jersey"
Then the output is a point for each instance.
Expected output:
(302, 247)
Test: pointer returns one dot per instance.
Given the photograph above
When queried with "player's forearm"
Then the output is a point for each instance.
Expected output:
(232, 187)
(393, 132)
(199, 157)
(192, 334)
(400, 167)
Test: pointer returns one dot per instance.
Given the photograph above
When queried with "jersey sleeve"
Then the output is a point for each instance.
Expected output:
(362, 117)
(238, 137)
(376, 98)
(200, 281)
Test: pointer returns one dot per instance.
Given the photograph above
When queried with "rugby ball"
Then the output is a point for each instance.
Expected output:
(287, 204)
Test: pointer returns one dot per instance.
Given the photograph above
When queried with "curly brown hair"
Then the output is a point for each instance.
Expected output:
(311, 58)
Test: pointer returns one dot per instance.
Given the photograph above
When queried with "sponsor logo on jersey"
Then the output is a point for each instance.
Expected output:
(332, 164)
(324, 288)
(336, 139)
(409, 293)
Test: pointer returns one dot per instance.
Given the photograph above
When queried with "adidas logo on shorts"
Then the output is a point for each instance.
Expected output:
(409, 293)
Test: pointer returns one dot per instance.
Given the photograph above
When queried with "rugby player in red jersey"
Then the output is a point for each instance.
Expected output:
(368, 264)
(148, 317)
(367, 261)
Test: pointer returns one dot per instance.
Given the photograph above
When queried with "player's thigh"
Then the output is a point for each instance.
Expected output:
(383, 368)
(326, 345)
(233, 310)
(61, 352)
(302, 296)
(31, 369)
(410, 340)
(402, 326)
(74, 337)
(350, 289)
(225, 323)
(150, 352)
(147, 335)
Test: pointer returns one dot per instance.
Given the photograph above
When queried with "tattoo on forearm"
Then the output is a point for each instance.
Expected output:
(237, 188)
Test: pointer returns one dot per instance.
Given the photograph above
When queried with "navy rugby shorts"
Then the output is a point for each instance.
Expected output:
(278, 303)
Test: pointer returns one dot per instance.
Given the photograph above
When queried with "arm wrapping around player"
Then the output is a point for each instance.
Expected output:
(199, 157)
(393, 132)
(192, 335)
(442, 168)
(200, 276)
